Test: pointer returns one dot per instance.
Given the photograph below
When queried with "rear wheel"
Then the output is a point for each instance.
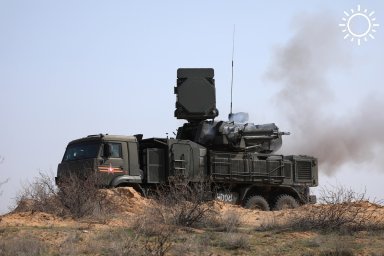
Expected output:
(257, 202)
(285, 202)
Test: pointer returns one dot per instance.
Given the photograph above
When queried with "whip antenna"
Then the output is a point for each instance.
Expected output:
(233, 53)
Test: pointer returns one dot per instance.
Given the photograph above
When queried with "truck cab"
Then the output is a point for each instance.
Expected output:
(113, 159)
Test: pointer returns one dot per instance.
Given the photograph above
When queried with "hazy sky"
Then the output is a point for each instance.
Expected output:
(73, 68)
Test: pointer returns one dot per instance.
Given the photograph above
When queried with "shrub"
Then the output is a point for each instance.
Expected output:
(153, 228)
(235, 241)
(184, 204)
(229, 221)
(39, 195)
(160, 243)
(81, 197)
(76, 197)
(340, 209)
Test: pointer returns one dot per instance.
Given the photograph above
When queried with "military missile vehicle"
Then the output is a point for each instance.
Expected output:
(239, 158)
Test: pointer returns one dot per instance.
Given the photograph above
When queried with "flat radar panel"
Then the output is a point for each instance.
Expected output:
(195, 94)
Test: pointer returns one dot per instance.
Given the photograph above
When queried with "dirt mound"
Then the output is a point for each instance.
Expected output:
(125, 200)
(368, 205)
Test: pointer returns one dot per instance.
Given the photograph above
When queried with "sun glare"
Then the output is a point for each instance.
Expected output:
(359, 25)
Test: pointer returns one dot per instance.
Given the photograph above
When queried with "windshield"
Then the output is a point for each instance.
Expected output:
(81, 151)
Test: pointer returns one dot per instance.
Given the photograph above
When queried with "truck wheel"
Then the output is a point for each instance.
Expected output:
(285, 202)
(257, 202)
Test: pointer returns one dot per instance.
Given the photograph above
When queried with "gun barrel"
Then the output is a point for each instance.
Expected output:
(260, 137)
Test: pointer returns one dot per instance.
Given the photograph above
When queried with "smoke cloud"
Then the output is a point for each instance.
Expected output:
(239, 117)
(302, 67)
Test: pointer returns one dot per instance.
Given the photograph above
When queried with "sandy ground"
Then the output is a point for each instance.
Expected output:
(129, 204)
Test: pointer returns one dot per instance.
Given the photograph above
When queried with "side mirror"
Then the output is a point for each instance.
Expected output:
(107, 150)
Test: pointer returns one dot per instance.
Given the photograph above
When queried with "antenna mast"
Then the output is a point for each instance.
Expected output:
(233, 53)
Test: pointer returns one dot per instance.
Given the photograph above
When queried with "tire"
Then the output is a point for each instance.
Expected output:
(257, 202)
(285, 202)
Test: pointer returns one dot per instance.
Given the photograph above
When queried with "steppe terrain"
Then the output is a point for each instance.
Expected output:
(134, 226)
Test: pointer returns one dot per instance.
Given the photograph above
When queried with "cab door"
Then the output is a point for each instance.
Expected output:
(115, 162)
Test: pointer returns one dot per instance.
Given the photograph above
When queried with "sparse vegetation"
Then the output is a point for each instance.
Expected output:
(81, 197)
(76, 197)
(341, 209)
(40, 196)
(27, 246)
(230, 221)
(179, 220)
(184, 204)
(156, 236)
(235, 241)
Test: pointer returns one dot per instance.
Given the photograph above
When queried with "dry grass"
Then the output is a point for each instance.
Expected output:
(183, 222)
(28, 246)
(235, 241)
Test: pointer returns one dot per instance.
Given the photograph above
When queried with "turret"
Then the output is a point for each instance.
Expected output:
(196, 102)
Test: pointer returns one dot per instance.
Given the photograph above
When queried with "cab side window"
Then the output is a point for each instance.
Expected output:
(116, 151)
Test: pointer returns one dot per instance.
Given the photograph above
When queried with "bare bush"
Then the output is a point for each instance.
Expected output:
(81, 197)
(151, 221)
(228, 221)
(184, 204)
(160, 243)
(235, 241)
(178, 204)
(76, 197)
(40, 196)
(340, 209)
(153, 228)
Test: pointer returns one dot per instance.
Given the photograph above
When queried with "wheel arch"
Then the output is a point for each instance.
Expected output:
(270, 193)
(285, 190)
(246, 192)
(127, 181)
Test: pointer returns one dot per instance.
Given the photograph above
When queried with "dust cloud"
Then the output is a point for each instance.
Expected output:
(302, 68)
